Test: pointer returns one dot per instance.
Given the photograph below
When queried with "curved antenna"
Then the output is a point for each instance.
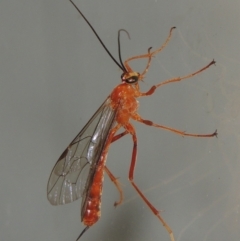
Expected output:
(119, 46)
(123, 69)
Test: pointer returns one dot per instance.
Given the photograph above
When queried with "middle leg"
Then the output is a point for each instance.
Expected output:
(178, 132)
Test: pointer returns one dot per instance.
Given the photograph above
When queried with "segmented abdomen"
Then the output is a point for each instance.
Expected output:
(91, 212)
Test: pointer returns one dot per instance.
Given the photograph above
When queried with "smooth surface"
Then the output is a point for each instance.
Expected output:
(54, 75)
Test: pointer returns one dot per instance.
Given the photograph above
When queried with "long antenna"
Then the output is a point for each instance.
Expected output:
(121, 67)
(119, 46)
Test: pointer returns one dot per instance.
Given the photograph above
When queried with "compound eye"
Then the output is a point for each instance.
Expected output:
(122, 77)
(132, 80)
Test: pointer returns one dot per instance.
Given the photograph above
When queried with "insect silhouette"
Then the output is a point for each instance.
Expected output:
(79, 171)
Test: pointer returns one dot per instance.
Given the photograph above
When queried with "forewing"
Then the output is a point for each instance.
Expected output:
(71, 172)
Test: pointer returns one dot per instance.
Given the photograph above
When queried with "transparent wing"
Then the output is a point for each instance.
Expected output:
(70, 175)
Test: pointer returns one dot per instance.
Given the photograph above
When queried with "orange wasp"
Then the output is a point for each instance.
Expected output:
(79, 171)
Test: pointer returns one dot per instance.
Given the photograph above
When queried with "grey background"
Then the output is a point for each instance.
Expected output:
(54, 75)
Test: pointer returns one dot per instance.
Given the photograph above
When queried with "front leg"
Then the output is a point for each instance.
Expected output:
(176, 79)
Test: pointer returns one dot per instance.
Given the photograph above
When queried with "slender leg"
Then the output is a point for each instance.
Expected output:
(111, 176)
(149, 55)
(177, 79)
(148, 64)
(178, 132)
(117, 137)
(117, 184)
(131, 130)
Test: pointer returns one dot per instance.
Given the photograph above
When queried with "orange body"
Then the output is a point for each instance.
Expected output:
(123, 101)
(93, 212)
(122, 98)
